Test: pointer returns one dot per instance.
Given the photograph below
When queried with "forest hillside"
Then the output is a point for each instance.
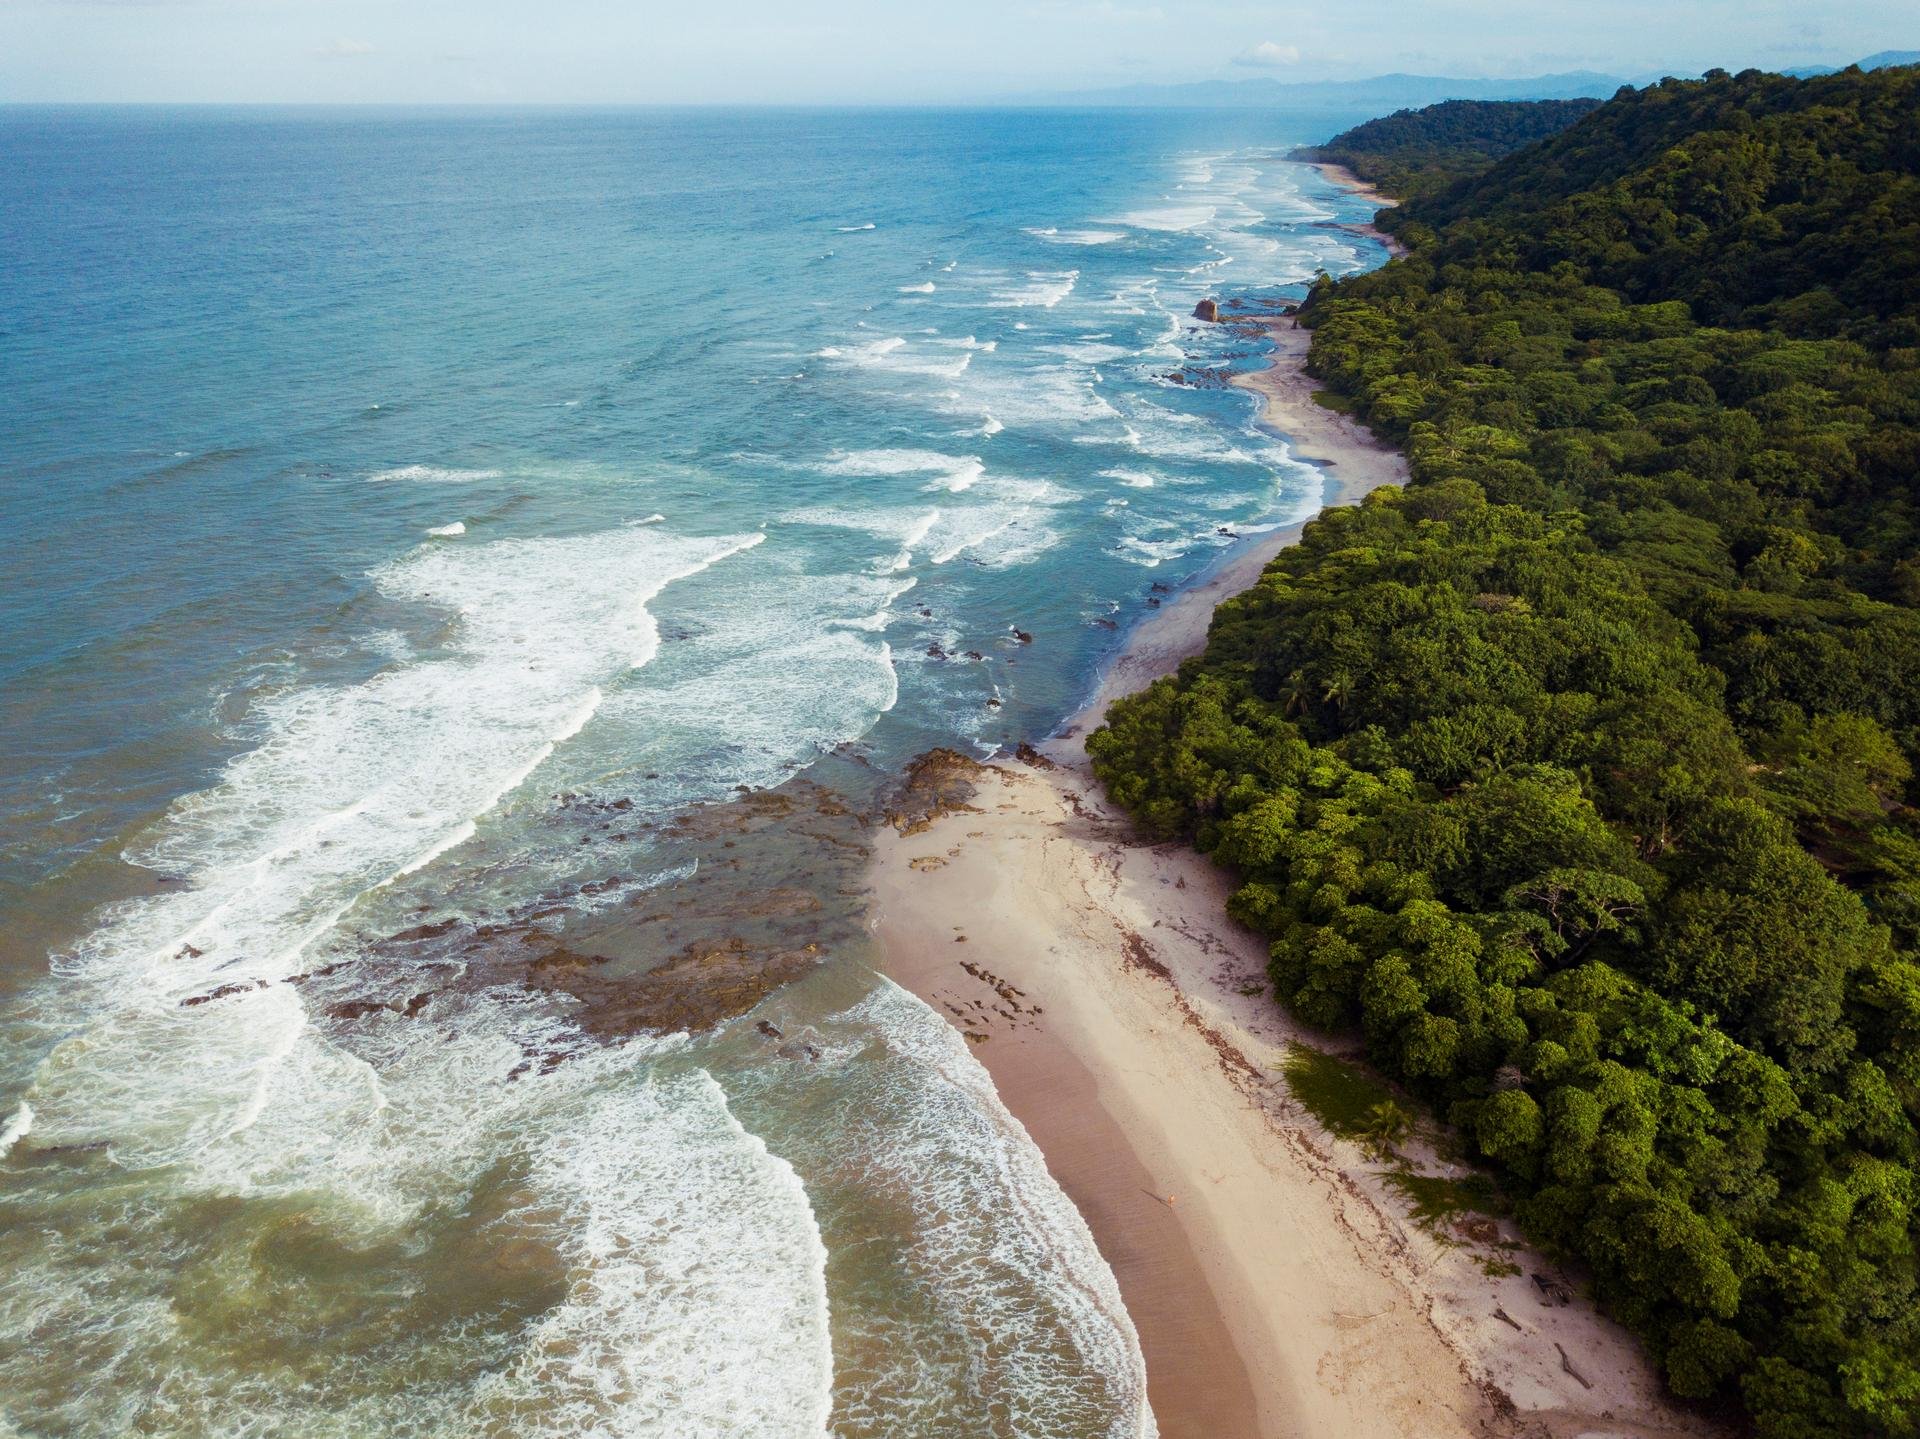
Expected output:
(1575, 776)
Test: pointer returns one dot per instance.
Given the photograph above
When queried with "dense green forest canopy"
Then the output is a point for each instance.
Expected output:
(1416, 152)
(1575, 776)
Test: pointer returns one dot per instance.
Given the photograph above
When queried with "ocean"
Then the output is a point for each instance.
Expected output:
(470, 579)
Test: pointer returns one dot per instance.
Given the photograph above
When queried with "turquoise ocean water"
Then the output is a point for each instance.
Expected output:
(445, 551)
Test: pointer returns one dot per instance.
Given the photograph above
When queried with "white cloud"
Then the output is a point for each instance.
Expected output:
(1268, 56)
(344, 49)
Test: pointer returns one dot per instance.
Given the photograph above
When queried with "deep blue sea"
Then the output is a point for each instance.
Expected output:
(439, 546)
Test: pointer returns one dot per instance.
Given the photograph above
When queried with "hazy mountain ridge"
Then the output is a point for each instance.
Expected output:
(1880, 60)
(1397, 91)
(1391, 92)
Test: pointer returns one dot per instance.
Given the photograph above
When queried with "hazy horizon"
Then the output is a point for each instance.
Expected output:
(861, 51)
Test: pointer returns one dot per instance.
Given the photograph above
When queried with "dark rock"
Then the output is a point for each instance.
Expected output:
(221, 993)
(1206, 377)
(939, 782)
(1208, 310)
(1022, 637)
(356, 1009)
(703, 985)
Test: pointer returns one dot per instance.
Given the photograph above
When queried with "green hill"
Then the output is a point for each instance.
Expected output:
(1575, 776)
(1413, 152)
(1756, 199)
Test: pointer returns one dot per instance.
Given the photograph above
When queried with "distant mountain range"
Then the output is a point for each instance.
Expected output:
(1882, 61)
(1385, 93)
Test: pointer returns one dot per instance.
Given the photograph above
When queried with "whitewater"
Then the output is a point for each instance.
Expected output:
(451, 706)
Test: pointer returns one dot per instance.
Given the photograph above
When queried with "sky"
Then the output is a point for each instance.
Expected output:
(872, 51)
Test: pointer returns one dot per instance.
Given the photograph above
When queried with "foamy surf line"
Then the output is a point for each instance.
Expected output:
(701, 1303)
(432, 475)
(355, 790)
(969, 1159)
(695, 1299)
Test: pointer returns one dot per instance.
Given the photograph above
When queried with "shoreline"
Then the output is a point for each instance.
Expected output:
(1278, 1282)
(1360, 190)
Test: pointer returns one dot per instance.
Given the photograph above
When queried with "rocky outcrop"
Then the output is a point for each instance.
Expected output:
(703, 985)
(939, 782)
(1206, 377)
(1208, 310)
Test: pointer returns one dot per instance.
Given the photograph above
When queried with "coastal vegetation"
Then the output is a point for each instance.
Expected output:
(1417, 152)
(1574, 777)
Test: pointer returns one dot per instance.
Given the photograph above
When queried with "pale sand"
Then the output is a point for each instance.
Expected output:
(1342, 176)
(1278, 1285)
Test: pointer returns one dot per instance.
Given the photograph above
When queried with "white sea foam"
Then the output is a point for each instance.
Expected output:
(1152, 553)
(434, 475)
(688, 1295)
(1060, 396)
(16, 1128)
(1174, 435)
(447, 532)
(352, 789)
(1132, 479)
(1011, 1259)
(952, 473)
(891, 356)
(1043, 289)
(1078, 237)
(870, 353)
(696, 1302)
(855, 229)
(691, 1269)
(694, 1298)
(1007, 529)
(1088, 353)
(963, 478)
(925, 287)
(913, 536)
(1175, 215)
(786, 668)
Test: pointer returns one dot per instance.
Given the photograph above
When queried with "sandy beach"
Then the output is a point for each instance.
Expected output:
(1361, 190)
(1281, 1284)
